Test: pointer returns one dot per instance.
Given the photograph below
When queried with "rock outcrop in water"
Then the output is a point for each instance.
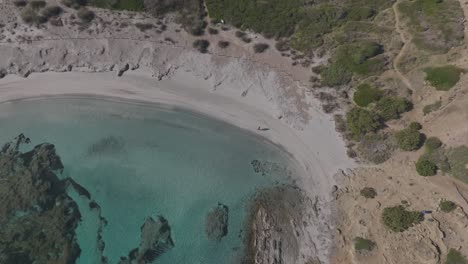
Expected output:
(37, 218)
(217, 222)
(266, 168)
(274, 226)
(155, 240)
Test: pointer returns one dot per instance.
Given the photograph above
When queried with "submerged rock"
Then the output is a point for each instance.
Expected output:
(266, 168)
(217, 222)
(37, 217)
(109, 145)
(155, 240)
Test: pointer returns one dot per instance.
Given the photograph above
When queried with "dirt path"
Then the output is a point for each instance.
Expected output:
(400, 31)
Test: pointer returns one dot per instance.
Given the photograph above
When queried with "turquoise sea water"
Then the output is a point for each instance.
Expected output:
(143, 160)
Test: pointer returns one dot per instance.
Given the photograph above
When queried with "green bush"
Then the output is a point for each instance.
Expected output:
(398, 219)
(409, 139)
(392, 107)
(129, 5)
(361, 122)
(443, 78)
(415, 126)
(201, 45)
(433, 143)
(223, 44)
(20, 3)
(432, 107)
(213, 31)
(85, 15)
(362, 244)
(425, 167)
(455, 257)
(51, 11)
(458, 160)
(438, 156)
(144, 26)
(260, 47)
(368, 192)
(37, 4)
(76, 4)
(447, 206)
(366, 94)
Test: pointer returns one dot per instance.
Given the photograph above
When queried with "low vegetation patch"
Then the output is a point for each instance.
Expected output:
(354, 58)
(398, 219)
(432, 144)
(366, 94)
(51, 11)
(432, 107)
(409, 139)
(201, 45)
(144, 26)
(435, 158)
(390, 107)
(447, 206)
(455, 257)
(436, 25)
(85, 15)
(76, 4)
(362, 244)
(37, 4)
(20, 3)
(458, 160)
(30, 16)
(361, 121)
(129, 5)
(213, 31)
(443, 78)
(272, 18)
(415, 126)
(260, 47)
(368, 192)
(377, 147)
(223, 44)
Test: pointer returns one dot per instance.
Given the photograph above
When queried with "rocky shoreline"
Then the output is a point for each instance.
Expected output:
(37, 217)
(276, 225)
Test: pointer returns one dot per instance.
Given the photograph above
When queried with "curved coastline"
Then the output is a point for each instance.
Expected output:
(187, 92)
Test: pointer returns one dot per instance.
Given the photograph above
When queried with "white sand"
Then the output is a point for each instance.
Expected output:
(317, 148)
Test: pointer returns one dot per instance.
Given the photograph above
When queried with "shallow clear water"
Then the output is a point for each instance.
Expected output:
(141, 160)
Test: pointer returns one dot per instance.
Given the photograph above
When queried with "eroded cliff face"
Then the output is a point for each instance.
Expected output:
(37, 217)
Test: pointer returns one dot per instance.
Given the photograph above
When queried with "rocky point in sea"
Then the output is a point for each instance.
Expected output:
(37, 217)
(275, 225)
(155, 240)
(216, 225)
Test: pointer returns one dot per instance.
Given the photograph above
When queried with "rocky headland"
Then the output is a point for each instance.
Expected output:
(37, 217)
